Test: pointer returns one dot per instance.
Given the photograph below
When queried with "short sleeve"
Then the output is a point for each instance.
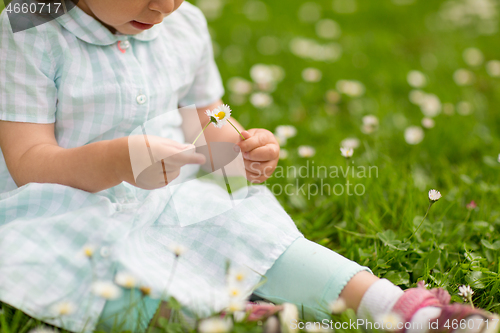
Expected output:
(207, 86)
(28, 92)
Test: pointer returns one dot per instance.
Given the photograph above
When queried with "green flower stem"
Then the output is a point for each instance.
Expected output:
(157, 313)
(201, 131)
(470, 300)
(427, 212)
(346, 206)
(236, 129)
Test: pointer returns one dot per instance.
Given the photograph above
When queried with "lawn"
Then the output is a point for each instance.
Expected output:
(429, 72)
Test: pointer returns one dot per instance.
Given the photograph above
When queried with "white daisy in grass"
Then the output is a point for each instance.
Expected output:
(283, 154)
(430, 105)
(493, 68)
(125, 280)
(463, 77)
(465, 291)
(428, 122)
(350, 143)
(346, 152)
(261, 100)
(306, 151)
(414, 135)
(416, 79)
(63, 308)
(434, 195)
(370, 124)
(311, 74)
(42, 329)
(286, 131)
(391, 321)
(473, 56)
(215, 325)
(287, 315)
(338, 306)
(106, 289)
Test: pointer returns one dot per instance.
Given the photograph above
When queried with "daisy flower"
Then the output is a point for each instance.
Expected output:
(222, 114)
(64, 308)
(286, 131)
(177, 249)
(215, 325)
(289, 314)
(125, 280)
(390, 321)
(106, 289)
(434, 195)
(88, 250)
(338, 306)
(346, 152)
(236, 304)
(414, 135)
(218, 116)
(306, 151)
(465, 292)
(145, 290)
(42, 329)
(238, 275)
(350, 143)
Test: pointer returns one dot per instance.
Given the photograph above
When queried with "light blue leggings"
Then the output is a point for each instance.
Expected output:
(306, 274)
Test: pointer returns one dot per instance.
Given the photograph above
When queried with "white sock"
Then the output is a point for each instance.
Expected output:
(378, 300)
(381, 297)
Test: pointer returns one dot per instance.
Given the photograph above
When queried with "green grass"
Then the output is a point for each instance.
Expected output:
(381, 43)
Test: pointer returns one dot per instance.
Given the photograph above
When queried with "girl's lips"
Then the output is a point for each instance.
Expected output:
(141, 26)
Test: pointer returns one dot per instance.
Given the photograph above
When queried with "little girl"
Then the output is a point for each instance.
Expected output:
(71, 92)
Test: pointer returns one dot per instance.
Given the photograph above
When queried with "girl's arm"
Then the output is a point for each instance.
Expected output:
(32, 154)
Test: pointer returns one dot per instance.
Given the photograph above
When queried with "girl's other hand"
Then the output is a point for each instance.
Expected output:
(260, 153)
(154, 162)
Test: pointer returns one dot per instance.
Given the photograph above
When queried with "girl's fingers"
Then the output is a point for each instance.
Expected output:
(260, 168)
(264, 153)
(250, 143)
(255, 178)
(185, 157)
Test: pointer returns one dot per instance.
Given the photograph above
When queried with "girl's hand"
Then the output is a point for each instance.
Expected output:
(153, 162)
(260, 153)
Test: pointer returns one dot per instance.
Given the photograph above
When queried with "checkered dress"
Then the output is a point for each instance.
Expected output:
(95, 86)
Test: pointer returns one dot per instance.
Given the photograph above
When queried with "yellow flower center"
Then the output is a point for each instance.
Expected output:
(240, 277)
(221, 115)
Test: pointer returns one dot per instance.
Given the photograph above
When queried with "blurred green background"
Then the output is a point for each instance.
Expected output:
(403, 60)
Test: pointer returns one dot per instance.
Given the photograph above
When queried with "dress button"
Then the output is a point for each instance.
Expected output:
(125, 44)
(141, 99)
(104, 251)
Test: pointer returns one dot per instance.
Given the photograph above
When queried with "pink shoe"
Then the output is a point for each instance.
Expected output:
(452, 315)
(261, 310)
